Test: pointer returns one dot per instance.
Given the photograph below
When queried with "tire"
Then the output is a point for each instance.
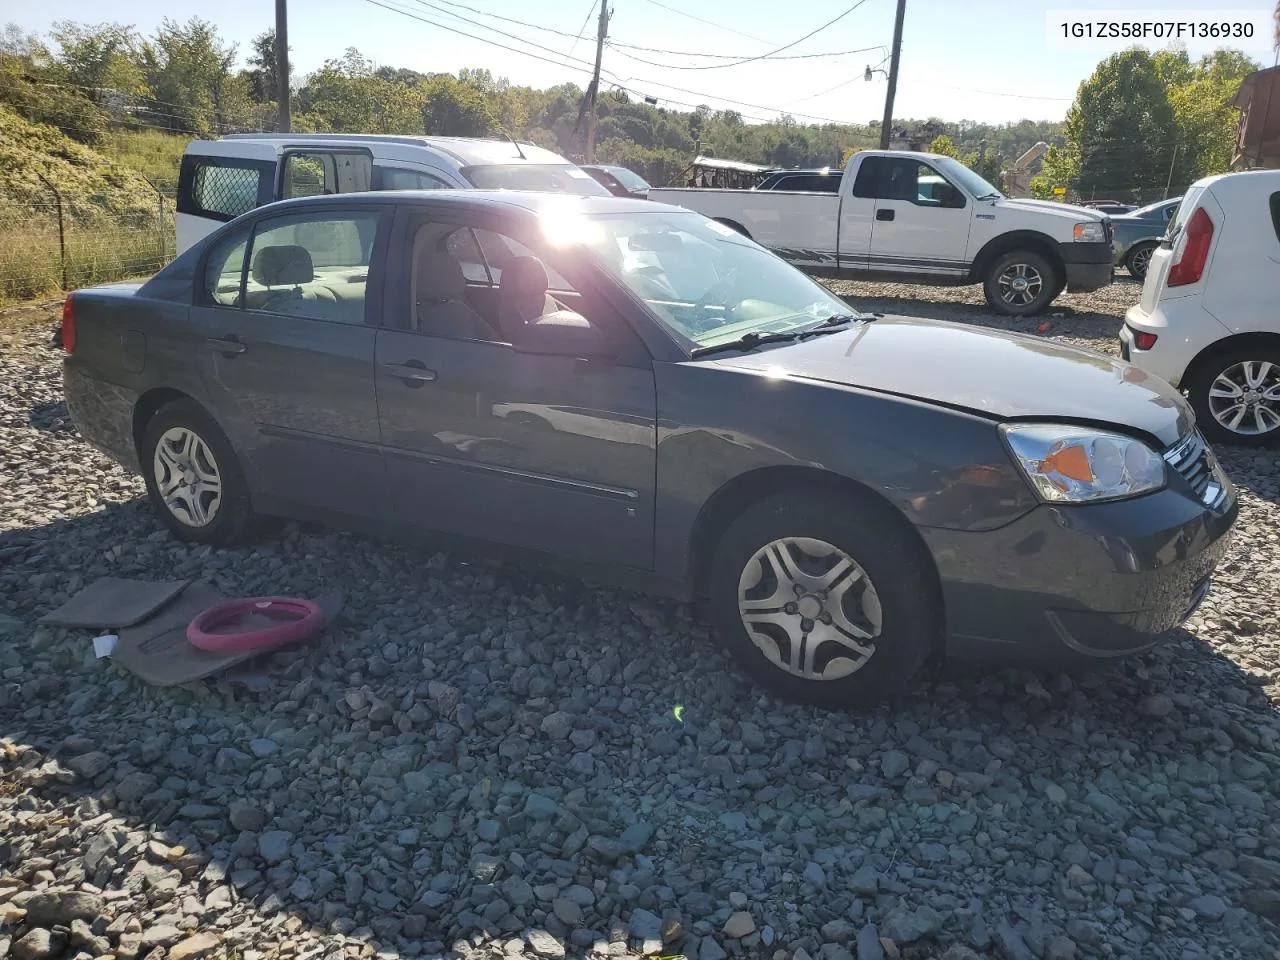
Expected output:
(1136, 260)
(228, 516)
(1238, 365)
(902, 591)
(1004, 273)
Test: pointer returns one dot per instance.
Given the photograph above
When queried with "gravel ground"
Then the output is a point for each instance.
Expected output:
(493, 762)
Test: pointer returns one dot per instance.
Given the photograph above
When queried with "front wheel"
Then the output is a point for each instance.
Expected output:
(1236, 396)
(193, 476)
(1020, 283)
(1138, 259)
(824, 600)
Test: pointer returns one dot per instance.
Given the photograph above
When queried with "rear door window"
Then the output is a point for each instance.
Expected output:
(867, 183)
(325, 172)
(399, 178)
(222, 188)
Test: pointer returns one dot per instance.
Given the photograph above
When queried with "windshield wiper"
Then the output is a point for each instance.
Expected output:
(749, 341)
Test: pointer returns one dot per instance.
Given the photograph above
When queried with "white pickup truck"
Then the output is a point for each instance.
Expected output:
(922, 218)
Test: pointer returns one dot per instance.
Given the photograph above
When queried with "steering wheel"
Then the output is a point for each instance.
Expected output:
(716, 291)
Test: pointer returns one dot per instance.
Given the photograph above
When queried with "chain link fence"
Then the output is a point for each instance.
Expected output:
(47, 247)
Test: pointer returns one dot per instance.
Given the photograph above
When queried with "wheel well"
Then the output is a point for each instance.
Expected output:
(998, 246)
(729, 502)
(733, 224)
(148, 405)
(1256, 339)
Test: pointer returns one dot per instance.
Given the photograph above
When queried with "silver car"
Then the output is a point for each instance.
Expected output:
(1138, 233)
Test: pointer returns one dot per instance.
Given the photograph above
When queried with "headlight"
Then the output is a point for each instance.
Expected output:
(1069, 464)
(1090, 232)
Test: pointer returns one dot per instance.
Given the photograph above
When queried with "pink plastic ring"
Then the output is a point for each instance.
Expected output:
(298, 619)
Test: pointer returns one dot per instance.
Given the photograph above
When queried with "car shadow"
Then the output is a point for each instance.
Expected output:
(406, 744)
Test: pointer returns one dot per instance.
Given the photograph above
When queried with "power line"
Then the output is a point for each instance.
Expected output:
(585, 21)
(786, 46)
(709, 23)
(720, 66)
(738, 56)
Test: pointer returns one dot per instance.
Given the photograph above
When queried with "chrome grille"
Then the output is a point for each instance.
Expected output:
(1193, 459)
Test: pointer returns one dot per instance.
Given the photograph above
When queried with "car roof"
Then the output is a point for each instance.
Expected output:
(467, 151)
(532, 201)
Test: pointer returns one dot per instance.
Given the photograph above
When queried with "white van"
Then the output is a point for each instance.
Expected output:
(1207, 321)
(224, 178)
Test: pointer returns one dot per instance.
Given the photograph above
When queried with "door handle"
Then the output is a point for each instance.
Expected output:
(411, 372)
(884, 214)
(227, 346)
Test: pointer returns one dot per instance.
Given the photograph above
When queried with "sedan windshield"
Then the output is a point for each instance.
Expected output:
(969, 180)
(705, 281)
(632, 181)
(543, 177)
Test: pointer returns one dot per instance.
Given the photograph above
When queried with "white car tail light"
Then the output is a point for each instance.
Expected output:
(1193, 250)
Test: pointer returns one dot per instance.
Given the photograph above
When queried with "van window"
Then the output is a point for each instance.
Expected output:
(398, 178)
(313, 173)
(221, 189)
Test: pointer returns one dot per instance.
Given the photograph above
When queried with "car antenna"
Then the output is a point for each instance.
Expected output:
(516, 144)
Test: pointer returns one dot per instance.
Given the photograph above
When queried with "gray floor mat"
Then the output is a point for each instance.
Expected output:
(158, 651)
(113, 602)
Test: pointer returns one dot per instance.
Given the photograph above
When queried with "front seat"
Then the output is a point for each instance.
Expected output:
(522, 295)
(439, 288)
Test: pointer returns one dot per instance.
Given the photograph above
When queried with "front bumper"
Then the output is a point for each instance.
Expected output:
(1088, 266)
(1064, 584)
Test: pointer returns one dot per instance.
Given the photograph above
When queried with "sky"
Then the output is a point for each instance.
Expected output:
(980, 60)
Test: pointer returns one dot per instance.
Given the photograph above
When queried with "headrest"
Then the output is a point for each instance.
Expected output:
(274, 266)
(524, 277)
(439, 277)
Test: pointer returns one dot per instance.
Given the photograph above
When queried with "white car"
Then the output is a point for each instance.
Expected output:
(224, 178)
(1208, 321)
(921, 218)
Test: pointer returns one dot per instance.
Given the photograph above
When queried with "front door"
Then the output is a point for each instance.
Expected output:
(288, 350)
(550, 452)
(921, 222)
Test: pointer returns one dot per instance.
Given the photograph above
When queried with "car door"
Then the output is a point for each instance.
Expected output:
(287, 338)
(857, 210)
(921, 221)
(554, 453)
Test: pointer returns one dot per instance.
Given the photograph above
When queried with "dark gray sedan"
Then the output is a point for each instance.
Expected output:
(1138, 233)
(632, 390)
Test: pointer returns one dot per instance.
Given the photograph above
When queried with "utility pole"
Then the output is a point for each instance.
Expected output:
(886, 124)
(284, 123)
(593, 93)
(1169, 183)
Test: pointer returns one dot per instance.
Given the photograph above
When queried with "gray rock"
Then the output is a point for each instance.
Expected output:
(160, 935)
(540, 807)
(1012, 945)
(815, 876)
(869, 946)
(905, 926)
(558, 725)
(263, 747)
(274, 845)
(739, 925)
(1209, 906)
(64, 906)
(644, 925)
(1156, 705)
(37, 944)
(247, 816)
(567, 911)
(894, 763)
(544, 944)
(710, 949)
(90, 765)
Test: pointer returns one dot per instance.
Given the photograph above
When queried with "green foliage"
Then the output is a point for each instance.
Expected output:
(943, 144)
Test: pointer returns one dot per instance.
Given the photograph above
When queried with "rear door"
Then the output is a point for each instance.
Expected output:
(286, 319)
(857, 210)
(214, 187)
(310, 172)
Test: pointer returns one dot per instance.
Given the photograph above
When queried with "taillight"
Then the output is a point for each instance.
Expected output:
(1144, 341)
(68, 326)
(1195, 251)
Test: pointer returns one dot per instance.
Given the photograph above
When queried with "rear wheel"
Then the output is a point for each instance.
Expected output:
(193, 477)
(1138, 259)
(1236, 396)
(1021, 283)
(824, 600)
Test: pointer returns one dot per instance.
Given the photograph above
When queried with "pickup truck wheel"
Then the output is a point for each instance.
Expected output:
(1138, 259)
(823, 600)
(1020, 283)
(1236, 396)
(193, 477)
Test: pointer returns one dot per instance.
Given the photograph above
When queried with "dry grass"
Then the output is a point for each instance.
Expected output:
(30, 265)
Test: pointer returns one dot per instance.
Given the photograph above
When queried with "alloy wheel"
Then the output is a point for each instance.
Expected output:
(187, 476)
(1139, 262)
(1245, 398)
(1019, 284)
(809, 608)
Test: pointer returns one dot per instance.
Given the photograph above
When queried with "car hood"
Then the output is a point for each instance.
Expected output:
(1064, 210)
(1003, 376)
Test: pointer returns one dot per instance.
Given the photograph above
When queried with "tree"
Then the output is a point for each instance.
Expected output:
(188, 70)
(261, 75)
(100, 58)
(456, 108)
(942, 144)
(1120, 130)
(1206, 119)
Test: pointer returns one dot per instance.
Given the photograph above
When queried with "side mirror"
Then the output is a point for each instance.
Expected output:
(562, 334)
